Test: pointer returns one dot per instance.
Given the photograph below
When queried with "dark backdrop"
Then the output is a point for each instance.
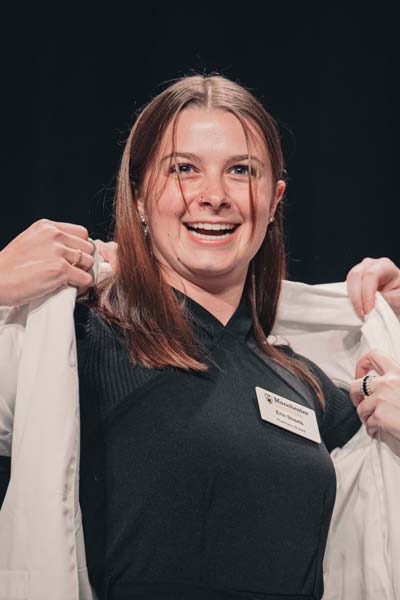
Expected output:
(75, 77)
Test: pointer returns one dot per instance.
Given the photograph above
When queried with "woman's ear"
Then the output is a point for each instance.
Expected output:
(279, 193)
(140, 206)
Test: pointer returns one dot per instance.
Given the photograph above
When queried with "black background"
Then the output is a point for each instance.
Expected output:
(74, 77)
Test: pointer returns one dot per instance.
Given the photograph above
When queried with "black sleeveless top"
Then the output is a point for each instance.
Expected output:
(186, 492)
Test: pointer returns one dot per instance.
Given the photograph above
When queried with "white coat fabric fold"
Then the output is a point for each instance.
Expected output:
(42, 553)
(41, 543)
(362, 559)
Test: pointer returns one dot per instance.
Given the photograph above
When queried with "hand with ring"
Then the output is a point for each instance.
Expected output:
(377, 397)
(42, 258)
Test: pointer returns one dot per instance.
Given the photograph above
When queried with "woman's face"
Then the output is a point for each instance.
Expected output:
(206, 237)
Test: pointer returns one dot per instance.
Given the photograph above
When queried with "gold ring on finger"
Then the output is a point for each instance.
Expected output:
(78, 260)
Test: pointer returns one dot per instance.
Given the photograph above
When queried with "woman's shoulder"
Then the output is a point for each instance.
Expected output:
(91, 324)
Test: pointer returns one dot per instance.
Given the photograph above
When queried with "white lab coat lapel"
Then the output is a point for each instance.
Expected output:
(41, 547)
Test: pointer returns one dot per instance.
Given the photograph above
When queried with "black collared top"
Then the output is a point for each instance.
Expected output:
(186, 492)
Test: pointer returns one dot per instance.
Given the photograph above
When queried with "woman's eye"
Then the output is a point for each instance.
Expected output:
(182, 168)
(243, 170)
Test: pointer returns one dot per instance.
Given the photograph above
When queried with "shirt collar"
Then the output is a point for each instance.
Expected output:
(208, 327)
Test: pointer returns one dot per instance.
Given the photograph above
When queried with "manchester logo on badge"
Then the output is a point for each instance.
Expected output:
(268, 397)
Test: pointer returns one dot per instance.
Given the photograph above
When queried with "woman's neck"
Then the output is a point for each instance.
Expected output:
(220, 301)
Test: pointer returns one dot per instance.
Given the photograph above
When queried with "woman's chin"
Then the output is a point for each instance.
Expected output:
(209, 270)
(214, 273)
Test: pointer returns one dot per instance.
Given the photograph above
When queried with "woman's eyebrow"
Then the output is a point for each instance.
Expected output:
(191, 156)
(188, 155)
(240, 157)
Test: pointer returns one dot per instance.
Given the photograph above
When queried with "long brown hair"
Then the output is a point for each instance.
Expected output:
(136, 298)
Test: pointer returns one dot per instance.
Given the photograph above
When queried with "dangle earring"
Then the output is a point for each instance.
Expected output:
(145, 226)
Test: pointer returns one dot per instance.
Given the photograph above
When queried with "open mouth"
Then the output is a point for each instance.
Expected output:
(211, 230)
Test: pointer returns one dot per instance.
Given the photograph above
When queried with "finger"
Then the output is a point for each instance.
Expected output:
(366, 407)
(369, 287)
(78, 278)
(388, 273)
(69, 228)
(76, 242)
(354, 286)
(378, 361)
(355, 392)
(379, 274)
(78, 259)
(63, 273)
(107, 250)
(372, 425)
(372, 431)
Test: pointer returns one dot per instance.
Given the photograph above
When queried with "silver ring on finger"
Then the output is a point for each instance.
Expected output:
(365, 385)
(78, 260)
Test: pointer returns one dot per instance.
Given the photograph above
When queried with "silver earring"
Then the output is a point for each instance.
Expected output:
(145, 226)
(271, 219)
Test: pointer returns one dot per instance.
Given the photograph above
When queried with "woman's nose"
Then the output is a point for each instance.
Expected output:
(214, 196)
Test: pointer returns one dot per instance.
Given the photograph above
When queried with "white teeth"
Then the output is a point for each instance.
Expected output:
(212, 226)
(204, 236)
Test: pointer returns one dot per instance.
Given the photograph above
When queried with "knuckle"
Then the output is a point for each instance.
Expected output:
(63, 267)
(58, 249)
(361, 411)
(41, 222)
(90, 247)
(367, 261)
(371, 271)
(379, 415)
(385, 261)
(51, 230)
(354, 272)
(87, 279)
(83, 231)
(90, 261)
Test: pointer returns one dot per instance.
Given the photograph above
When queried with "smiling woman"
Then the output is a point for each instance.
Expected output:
(187, 488)
(215, 190)
(202, 156)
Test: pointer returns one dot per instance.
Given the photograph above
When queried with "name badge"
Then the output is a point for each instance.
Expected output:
(288, 414)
